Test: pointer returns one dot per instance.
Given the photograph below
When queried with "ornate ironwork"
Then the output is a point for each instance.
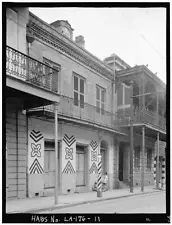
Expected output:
(141, 116)
(30, 70)
(87, 113)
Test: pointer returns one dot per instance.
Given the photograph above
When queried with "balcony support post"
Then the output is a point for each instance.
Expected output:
(143, 161)
(157, 108)
(131, 141)
(157, 162)
(56, 155)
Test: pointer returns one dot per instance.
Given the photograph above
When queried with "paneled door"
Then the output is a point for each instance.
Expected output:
(49, 165)
(80, 166)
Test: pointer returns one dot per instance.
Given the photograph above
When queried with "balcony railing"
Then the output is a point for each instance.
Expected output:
(92, 114)
(87, 112)
(141, 116)
(23, 67)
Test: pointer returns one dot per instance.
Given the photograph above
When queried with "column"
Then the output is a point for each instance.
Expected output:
(163, 173)
(157, 163)
(99, 183)
(109, 164)
(143, 161)
(154, 171)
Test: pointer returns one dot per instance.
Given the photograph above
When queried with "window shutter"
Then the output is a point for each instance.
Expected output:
(55, 79)
(76, 98)
(120, 95)
(82, 86)
(75, 83)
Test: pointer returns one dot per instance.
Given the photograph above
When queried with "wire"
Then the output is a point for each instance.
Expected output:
(143, 36)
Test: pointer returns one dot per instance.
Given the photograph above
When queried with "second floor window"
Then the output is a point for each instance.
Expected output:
(100, 100)
(137, 157)
(149, 158)
(79, 91)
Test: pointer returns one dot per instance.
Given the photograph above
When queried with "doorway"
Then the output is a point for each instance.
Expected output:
(80, 166)
(103, 159)
(121, 163)
(49, 165)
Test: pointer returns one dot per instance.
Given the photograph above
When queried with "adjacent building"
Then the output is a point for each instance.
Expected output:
(46, 67)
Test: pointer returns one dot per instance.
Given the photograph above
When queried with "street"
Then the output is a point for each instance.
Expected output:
(147, 203)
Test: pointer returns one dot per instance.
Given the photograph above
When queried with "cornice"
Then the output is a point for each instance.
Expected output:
(139, 69)
(39, 30)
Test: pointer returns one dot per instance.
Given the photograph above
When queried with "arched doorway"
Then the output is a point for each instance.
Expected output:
(103, 152)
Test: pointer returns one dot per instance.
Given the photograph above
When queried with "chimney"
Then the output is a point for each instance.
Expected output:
(80, 41)
(63, 27)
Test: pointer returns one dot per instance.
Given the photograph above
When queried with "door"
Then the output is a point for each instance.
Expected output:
(49, 165)
(103, 152)
(121, 164)
(80, 166)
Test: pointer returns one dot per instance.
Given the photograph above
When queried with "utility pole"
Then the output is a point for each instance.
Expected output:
(131, 141)
(56, 155)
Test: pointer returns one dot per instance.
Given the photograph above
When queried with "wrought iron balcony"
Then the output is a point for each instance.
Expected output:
(143, 116)
(82, 111)
(25, 68)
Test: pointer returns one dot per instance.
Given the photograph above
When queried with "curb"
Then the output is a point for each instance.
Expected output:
(51, 208)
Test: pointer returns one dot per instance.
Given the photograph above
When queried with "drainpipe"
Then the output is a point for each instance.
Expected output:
(29, 42)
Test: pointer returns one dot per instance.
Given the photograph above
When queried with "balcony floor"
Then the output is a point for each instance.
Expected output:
(50, 115)
(29, 100)
(31, 94)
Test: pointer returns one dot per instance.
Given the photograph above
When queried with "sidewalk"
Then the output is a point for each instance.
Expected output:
(38, 204)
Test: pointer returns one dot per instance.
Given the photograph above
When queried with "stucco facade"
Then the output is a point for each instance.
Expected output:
(86, 124)
(85, 137)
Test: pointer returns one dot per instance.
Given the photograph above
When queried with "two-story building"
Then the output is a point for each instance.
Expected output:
(148, 102)
(85, 112)
(43, 63)
(26, 88)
